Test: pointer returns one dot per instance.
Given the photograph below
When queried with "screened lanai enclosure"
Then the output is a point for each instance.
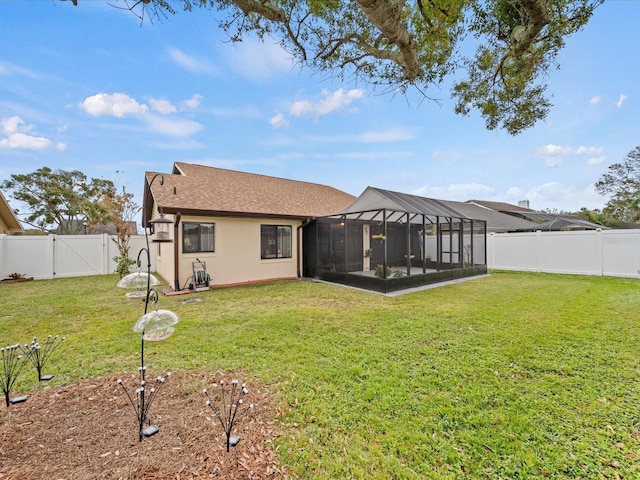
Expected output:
(388, 241)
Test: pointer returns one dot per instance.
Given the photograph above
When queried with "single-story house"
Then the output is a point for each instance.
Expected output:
(9, 223)
(245, 227)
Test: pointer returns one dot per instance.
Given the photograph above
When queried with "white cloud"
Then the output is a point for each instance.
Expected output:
(564, 196)
(192, 64)
(595, 100)
(174, 127)
(376, 136)
(116, 105)
(192, 103)
(514, 192)
(258, 61)
(278, 121)
(329, 103)
(12, 69)
(15, 132)
(162, 106)
(556, 154)
(596, 161)
(25, 142)
(13, 125)
(621, 99)
(554, 150)
(459, 192)
(582, 150)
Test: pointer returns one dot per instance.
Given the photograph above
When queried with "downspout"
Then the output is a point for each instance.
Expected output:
(304, 223)
(176, 231)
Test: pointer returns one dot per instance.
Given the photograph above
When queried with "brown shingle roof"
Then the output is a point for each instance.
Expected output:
(200, 189)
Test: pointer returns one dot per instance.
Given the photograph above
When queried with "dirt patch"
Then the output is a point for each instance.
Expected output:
(89, 431)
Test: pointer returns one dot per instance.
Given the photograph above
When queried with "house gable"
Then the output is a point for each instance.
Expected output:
(9, 223)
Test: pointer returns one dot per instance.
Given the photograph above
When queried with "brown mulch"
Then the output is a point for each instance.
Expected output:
(89, 431)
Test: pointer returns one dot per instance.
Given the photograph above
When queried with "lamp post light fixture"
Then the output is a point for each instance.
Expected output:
(161, 229)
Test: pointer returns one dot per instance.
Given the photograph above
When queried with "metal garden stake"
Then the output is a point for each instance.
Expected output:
(13, 361)
(231, 407)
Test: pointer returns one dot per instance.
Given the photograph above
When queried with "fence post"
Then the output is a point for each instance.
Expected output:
(3, 256)
(51, 253)
(105, 254)
(538, 240)
(491, 258)
(599, 252)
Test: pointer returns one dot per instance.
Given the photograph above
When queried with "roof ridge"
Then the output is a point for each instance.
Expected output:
(254, 174)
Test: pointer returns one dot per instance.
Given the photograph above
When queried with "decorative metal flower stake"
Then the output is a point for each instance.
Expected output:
(13, 361)
(39, 353)
(153, 326)
(230, 409)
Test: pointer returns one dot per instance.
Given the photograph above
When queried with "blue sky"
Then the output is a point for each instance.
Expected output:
(91, 88)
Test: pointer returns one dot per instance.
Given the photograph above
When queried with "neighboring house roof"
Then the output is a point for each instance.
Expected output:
(496, 221)
(78, 227)
(544, 221)
(9, 223)
(499, 206)
(372, 200)
(201, 190)
(554, 221)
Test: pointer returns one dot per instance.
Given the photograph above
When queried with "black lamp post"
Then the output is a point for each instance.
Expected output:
(152, 326)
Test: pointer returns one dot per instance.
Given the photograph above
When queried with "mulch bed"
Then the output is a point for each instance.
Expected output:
(89, 431)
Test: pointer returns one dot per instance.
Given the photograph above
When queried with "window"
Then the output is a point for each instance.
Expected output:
(275, 241)
(198, 237)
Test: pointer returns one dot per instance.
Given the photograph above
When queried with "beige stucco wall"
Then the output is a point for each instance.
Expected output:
(237, 253)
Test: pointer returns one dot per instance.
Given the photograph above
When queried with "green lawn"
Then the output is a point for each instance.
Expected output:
(511, 376)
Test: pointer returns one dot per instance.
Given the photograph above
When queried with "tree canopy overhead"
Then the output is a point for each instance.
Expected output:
(402, 44)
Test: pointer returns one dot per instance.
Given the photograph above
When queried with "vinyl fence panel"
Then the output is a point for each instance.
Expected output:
(593, 252)
(620, 253)
(57, 256)
(31, 256)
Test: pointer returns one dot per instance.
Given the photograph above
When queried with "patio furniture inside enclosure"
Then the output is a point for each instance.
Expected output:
(387, 235)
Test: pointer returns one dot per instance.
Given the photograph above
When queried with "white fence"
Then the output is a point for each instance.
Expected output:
(601, 252)
(57, 256)
(607, 252)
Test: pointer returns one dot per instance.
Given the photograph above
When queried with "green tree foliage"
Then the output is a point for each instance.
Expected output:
(622, 184)
(61, 199)
(596, 216)
(398, 44)
(122, 210)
